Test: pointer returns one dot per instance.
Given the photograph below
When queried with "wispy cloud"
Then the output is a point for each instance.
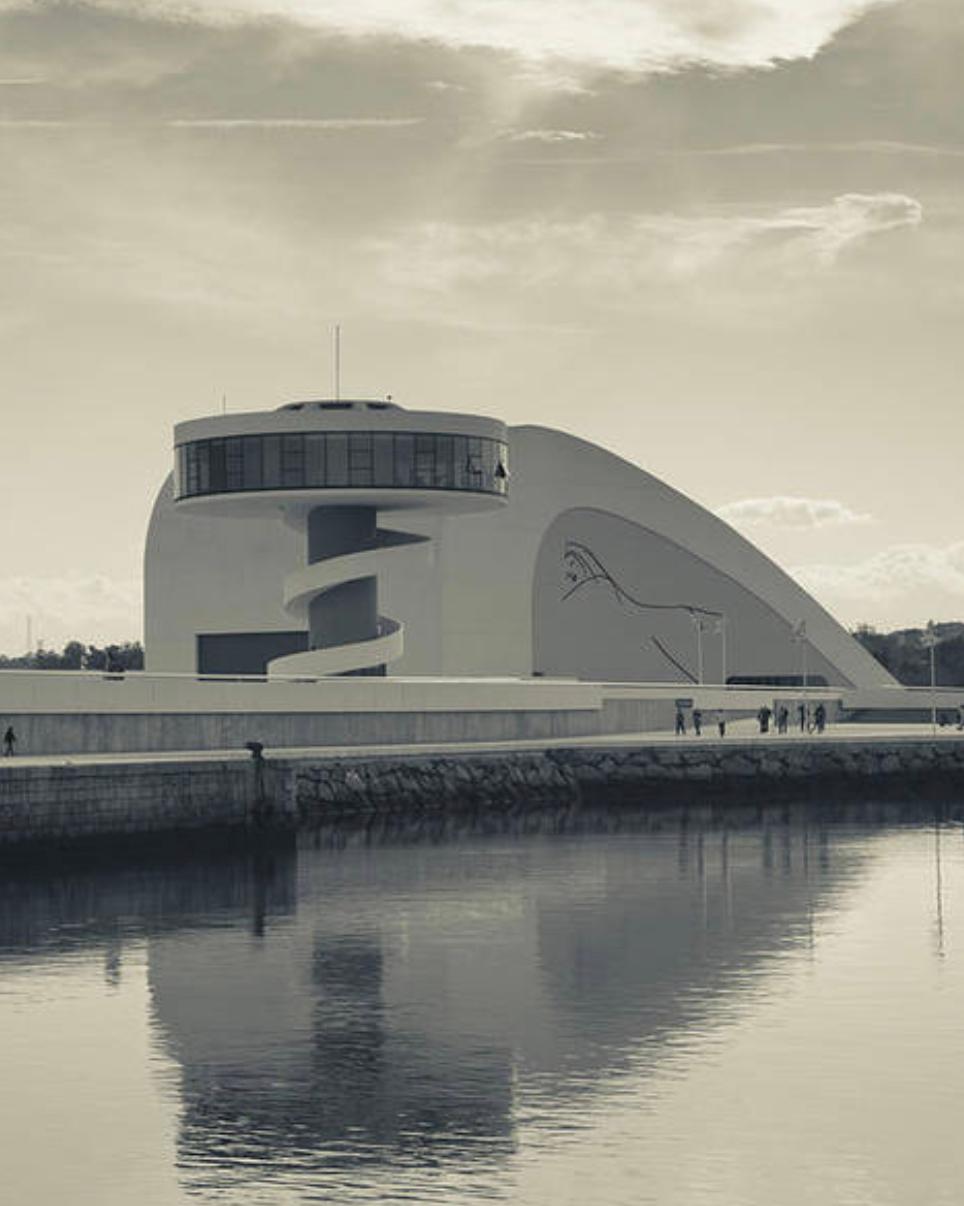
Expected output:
(241, 124)
(863, 146)
(893, 571)
(788, 512)
(631, 35)
(292, 123)
(622, 254)
(445, 86)
(551, 136)
(902, 585)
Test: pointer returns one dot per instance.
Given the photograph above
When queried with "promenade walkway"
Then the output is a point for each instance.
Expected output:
(737, 732)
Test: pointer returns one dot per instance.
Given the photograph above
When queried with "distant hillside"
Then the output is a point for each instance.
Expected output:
(906, 656)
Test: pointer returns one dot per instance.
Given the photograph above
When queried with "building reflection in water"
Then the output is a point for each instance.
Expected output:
(421, 986)
(396, 996)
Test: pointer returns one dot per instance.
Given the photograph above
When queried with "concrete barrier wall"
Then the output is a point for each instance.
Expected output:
(66, 803)
(93, 733)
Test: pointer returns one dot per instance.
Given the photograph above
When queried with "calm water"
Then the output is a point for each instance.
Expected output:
(606, 1012)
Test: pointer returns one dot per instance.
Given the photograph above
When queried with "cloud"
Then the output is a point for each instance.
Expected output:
(622, 255)
(91, 608)
(850, 219)
(628, 35)
(551, 136)
(900, 586)
(859, 147)
(445, 86)
(892, 572)
(787, 512)
(292, 123)
(218, 123)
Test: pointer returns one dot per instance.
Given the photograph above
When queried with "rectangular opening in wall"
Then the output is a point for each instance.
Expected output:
(245, 652)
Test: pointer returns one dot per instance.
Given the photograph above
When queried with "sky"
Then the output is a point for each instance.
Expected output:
(723, 238)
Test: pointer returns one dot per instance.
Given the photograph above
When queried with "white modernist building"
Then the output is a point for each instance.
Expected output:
(356, 537)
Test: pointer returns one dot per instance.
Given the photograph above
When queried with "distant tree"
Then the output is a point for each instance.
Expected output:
(73, 655)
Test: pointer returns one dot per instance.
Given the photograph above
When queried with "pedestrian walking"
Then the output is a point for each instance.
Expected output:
(721, 722)
(697, 722)
(9, 741)
(783, 719)
(680, 723)
(802, 714)
(763, 719)
(820, 718)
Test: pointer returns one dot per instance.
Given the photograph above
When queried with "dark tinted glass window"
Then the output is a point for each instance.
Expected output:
(404, 460)
(383, 460)
(354, 460)
(337, 460)
(251, 455)
(360, 458)
(444, 469)
(233, 465)
(425, 461)
(292, 460)
(315, 460)
(271, 465)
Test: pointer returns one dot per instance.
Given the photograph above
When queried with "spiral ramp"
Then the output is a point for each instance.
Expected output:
(308, 588)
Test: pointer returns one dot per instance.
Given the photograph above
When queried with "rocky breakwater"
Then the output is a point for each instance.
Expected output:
(417, 784)
(632, 774)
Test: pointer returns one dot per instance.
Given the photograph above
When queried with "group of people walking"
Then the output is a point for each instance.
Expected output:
(814, 722)
(809, 723)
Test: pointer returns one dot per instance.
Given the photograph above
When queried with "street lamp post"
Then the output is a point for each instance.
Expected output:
(698, 624)
(800, 638)
(931, 641)
(721, 629)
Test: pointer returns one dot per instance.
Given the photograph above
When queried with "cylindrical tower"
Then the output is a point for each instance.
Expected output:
(330, 468)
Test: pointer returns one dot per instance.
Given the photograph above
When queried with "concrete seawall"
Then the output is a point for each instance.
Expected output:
(64, 803)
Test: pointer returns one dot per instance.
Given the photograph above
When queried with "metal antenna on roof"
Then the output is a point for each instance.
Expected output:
(336, 334)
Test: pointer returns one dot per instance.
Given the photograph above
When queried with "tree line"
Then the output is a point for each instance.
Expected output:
(75, 655)
(906, 654)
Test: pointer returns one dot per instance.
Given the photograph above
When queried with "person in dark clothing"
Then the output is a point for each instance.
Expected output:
(820, 718)
(697, 722)
(721, 722)
(783, 719)
(763, 717)
(802, 714)
(9, 741)
(680, 723)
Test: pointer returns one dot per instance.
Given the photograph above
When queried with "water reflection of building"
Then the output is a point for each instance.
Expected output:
(396, 1015)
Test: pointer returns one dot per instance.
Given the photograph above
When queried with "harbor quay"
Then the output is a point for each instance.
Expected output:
(63, 801)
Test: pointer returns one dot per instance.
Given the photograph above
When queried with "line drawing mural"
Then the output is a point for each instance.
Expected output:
(582, 568)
